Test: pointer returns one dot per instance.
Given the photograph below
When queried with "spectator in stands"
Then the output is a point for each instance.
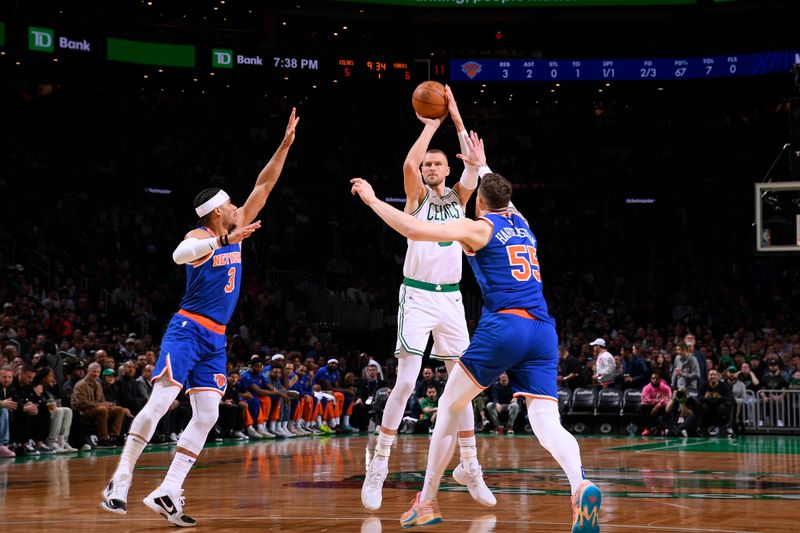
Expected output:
(569, 368)
(30, 424)
(130, 394)
(420, 390)
(7, 407)
(686, 372)
(110, 385)
(143, 382)
(794, 384)
(441, 377)
(90, 402)
(715, 405)
(503, 401)
(749, 378)
(60, 417)
(773, 392)
(689, 340)
(655, 397)
(680, 417)
(231, 410)
(756, 368)
(739, 395)
(429, 405)
(76, 371)
(605, 366)
(362, 406)
(635, 370)
(661, 367)
(479, 404)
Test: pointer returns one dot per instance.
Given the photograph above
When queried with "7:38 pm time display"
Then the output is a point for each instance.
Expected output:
(296, 63)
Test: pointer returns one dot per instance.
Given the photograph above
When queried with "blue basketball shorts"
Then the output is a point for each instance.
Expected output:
(526, 349)
(192, 355)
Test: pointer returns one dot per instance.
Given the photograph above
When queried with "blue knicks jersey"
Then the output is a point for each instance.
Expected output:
(507, 269)
(212, 287)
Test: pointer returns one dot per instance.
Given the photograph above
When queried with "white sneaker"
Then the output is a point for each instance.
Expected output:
(115, 495)
(253, 434)
(266, 434)
(472, 477)
(55, 446)
(170, 506)
(239, 435)
(65, 446)
(372, 489)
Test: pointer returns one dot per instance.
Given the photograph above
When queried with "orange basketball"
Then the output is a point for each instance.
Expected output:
(429, 99)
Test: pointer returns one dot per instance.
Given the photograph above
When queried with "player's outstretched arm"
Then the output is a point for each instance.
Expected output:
(470, 232)
(469, 177)
(270, 173)
(412, 178)
(197, 245)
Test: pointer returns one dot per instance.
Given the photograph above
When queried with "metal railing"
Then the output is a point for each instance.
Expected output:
(774, 411)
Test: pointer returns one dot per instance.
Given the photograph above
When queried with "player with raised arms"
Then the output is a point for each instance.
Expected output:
(430, 302)
(516, 335)
(193, 347)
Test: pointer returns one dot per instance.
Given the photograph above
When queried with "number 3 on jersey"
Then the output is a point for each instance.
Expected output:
(524, 262)
(231, 280)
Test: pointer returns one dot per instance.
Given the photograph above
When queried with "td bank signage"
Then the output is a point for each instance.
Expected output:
(45, 40)
(222, 58)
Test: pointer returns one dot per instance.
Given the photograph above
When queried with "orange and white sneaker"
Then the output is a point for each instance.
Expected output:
(586, 508)
(421, 513)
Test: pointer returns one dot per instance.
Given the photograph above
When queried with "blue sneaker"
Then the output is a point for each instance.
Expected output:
(586, 508)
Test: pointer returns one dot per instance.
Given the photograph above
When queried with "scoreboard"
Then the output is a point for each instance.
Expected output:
(676, 68)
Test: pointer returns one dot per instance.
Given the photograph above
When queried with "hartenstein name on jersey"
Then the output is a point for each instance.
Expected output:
(444, 212)
(506, 233)
(228, 258)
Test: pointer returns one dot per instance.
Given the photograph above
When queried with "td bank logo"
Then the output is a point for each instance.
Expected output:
(221, 58)
(40, 39)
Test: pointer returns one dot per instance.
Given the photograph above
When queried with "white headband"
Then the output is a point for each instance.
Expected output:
(212, 203)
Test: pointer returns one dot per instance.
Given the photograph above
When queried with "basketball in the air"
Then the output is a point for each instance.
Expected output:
(429, 99)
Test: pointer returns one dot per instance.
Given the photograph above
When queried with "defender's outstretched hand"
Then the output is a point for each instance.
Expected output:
(240, 234)
(363, 189)
(288, 136)
(477, 155)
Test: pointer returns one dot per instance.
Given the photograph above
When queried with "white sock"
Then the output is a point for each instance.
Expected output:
(383, 448)
(130, 454)
(334, 422)
(458, 393)
(272, 427)
(178, 470)
(346, 420)
(319, 421)
(469, 450)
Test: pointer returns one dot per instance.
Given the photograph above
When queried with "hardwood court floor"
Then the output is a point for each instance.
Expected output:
(751, 484)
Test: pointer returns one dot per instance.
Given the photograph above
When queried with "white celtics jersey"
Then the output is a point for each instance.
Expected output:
(435, 262)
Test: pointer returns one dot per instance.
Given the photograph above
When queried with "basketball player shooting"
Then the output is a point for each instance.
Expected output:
(430, 301)
(516, 335)
(193, 347)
